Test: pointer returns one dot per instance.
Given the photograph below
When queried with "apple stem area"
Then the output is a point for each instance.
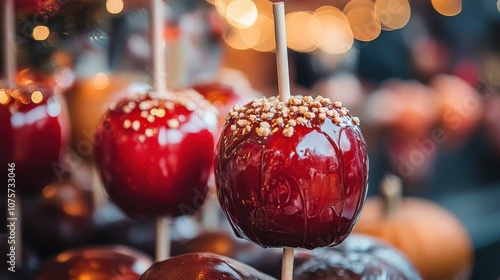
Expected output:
(162, 250)
(287, 264)
(9, 48)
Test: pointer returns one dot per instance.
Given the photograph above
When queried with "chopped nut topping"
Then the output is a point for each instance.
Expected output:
(310, 115)
(265, 124)
(142, 138)
(269, 115)
(263, 131)
(303, 110)
(242, 123)
(151, 118)
(288, 131)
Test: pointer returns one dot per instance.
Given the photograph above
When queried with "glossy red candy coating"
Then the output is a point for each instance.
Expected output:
(358, 257)
(33, 135)
(98, 263)
(300, 190)
(205, 266)
(156, 164)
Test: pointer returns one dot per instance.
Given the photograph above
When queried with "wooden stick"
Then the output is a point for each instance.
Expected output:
(158, 59)
(287, 264)
(9, 43)
(98, 194)
(162, 251)
(281, 51)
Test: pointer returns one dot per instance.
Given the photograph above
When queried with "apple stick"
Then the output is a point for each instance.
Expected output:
(162, 251)
(281, 51)
(9, 44)
(158, 59)
(284, 95)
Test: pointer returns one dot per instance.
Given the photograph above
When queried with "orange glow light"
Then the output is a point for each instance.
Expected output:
(447, 7)
(393, 14)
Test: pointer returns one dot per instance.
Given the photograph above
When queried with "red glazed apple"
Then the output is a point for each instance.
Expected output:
(155, 155)
(202, 266)
(33, 125)
(291, 173)
(99, 263)
(358, 257)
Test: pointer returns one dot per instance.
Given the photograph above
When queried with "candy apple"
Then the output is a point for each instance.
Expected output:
(155, 154)
(202, 266)
(358, 257)
(291, 173)
(108, 262)
(34, 127)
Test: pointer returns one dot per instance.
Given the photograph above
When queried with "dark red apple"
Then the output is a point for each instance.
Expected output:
(202, 266)
(358, 257)
(34, 129)
(291, 173)
(155, 154)
(97, 263)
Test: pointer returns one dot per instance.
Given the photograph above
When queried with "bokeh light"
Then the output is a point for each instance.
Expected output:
(4, 97)
(221, 6)
(335, 35)
(36, 97)
(393, 14)
(447, 7)
(101, 81)
(265, 26)
(301, 29)
(114, 6)
(41, 32)
(365, 24)
(234, 39)
(241, 13)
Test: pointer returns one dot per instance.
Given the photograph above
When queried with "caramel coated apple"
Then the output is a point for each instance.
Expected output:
(291, 173)
(155, 154)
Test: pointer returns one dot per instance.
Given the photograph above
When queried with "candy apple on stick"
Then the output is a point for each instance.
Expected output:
(155, 150)
(33, 129)
(291, 172)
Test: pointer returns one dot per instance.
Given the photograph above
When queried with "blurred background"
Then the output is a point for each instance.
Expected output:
(423, 76)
